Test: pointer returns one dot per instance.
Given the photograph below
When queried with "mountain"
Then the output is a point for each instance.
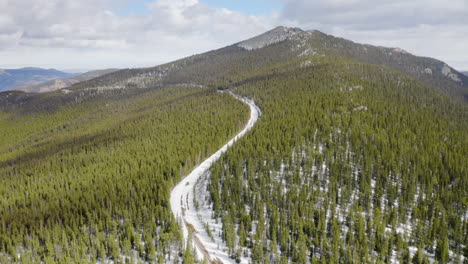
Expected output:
(57, 84)
(358, 156)
(292, 46)
(11, 78)
(465, 73)
(305, 43)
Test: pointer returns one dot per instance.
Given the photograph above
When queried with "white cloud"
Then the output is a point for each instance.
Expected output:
(433, 28)
(69, 30)
(89, 34)
(375, 14)
(424, 40)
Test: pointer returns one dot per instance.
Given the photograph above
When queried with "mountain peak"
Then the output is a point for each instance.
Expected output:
(273, 36)
(286, 29)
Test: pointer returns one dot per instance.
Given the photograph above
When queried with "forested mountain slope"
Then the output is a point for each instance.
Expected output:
(359, 157)
(87, 177)
(350, 163)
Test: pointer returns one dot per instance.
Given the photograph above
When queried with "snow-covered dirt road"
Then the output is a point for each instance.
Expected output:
(183, 207)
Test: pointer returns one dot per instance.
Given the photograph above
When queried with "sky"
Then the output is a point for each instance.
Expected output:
(96, 34)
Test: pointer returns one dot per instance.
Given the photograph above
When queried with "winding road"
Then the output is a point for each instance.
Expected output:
(207, 246)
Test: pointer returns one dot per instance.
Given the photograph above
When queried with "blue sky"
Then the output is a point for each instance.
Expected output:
(257, 7)
(252, 7)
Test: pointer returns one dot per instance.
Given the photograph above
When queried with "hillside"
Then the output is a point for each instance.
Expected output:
(57, 84)
(11, 78)
(358, 157)
(345, 166)
(102, 166)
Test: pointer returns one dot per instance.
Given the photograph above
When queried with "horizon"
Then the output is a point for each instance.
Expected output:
(102, 34)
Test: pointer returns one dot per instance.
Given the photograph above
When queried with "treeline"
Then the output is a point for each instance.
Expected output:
(90, 181)
(359, 165)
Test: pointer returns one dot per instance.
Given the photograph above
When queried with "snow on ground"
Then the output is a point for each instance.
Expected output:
(205, 220)
(182, 201)
(271, 37)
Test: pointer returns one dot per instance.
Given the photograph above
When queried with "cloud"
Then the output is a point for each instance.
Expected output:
(194, 18)
(377, 15)
(92, 34)
(447, 43)
(170, 30)
(433, 28)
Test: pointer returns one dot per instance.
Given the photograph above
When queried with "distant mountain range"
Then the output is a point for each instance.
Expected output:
(281, 46)
(57, 84)
(11, 78)
(465, 73)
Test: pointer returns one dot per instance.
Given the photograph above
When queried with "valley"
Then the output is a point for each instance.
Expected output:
(359, 157)
(11, 78)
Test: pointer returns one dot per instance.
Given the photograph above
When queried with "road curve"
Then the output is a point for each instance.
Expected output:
(182, 202)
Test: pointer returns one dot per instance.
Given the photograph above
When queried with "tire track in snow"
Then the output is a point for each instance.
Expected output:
(182, 195)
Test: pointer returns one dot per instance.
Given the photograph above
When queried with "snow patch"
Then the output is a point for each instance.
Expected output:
(398, 50)
(276, 35)
(66, 91)
(361, 108)
(305, 64)
(184, 209)
(447, 71)
(351, 88)
(427, 71)
(307, 52)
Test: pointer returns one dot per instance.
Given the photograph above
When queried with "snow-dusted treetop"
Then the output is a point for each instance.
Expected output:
(271, 37)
